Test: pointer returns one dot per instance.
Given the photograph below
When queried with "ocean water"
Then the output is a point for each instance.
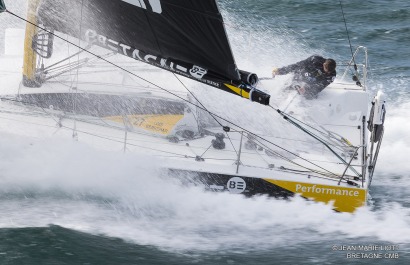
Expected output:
(93, 207)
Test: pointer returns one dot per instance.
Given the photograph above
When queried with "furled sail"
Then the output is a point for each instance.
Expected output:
(183, 36)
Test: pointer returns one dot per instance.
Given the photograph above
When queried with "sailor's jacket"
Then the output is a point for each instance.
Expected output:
(310, 72)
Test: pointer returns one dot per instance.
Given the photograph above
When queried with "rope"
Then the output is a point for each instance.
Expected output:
(210, 113)
(289, 119)
(356, 75)
(75, 135)
(347, 33)
(296, 155)
(192, 94)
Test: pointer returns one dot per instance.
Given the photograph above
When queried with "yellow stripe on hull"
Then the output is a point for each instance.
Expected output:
(161, 124)
(344, 199)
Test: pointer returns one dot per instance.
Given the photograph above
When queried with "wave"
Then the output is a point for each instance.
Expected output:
(51, 181)
(125, 196)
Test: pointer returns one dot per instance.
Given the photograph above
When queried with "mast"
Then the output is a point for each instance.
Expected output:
(30, 57)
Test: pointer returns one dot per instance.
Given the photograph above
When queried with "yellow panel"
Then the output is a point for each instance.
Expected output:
(345, 199)
(162, 124)
(29, 66)
(238, 91)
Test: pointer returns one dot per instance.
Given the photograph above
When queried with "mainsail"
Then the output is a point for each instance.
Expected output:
(186, 37)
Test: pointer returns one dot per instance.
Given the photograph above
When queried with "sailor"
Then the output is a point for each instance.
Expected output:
(311, 76)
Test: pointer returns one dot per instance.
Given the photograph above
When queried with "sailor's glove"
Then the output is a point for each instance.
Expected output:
(301, 90)
(275, 72)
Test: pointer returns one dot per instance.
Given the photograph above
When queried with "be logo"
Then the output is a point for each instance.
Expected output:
(152, 5)
(198, 72)
(236, 185)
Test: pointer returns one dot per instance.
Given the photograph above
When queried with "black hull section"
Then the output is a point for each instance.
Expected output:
(231, 183)
(342, 199)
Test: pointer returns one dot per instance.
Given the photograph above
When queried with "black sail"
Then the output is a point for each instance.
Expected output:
(184, 36)
(2, 6)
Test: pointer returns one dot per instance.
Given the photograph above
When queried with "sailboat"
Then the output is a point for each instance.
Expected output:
(75, 95)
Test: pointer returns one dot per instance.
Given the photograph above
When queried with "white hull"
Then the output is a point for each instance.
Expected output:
(310, 170)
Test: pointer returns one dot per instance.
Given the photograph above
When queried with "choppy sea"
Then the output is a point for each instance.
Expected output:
(89, 207)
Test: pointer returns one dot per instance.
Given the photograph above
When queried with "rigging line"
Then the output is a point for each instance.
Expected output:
(302, 172)
(196, 118)
(256, 150)
(42, 108)
(75, 117)
(266, 161)
(71, 80)
(134, 145)
(69, 117)
(68, 58)
(289, 119)
(282, 138)
(90, 72)
(219, 159)
(230, 140)
(210, 113)
(296, 155)
(205, 151)
(103, 137)
(78, 68)
(323, 141)
(70, 66)
(220, 124)
(65, 70)
(290, 152)
(192, 94)
(318, 138)
(82, 61)
(128, 71)
(341, 144)
(347, 33)
(50, 115)
(62, 69)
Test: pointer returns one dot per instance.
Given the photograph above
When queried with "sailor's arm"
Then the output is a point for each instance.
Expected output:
(292, 67)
